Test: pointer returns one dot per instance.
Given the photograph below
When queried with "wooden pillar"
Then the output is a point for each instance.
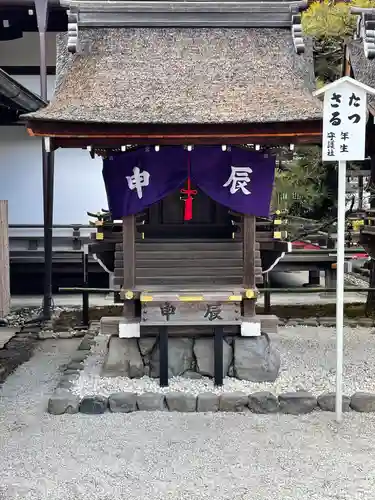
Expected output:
(128, 249)
(4, 261)
(249, 231)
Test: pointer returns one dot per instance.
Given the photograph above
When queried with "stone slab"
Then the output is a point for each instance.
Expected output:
(109, 325)
(181, 401)
(6, 333)
(268, 322)
(93, 405)
(63, 402)
(296, 403)
(263, 402)
(233, 401)
(363, 402)
(204, 355)
(122, 402)
(150, 401)
(255, 359)
(327, 402)
(123, 359)
(207, 402)
(180, 357)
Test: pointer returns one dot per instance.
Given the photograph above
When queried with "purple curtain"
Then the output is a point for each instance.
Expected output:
(240, 179)
(136, 179)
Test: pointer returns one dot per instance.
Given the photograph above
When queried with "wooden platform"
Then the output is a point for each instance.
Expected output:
(109, 325)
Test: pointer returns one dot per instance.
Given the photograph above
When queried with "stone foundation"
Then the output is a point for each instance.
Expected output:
(65, 401)
(246, 358)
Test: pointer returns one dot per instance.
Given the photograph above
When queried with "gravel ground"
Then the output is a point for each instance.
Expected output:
(175, 456)
(308, 361)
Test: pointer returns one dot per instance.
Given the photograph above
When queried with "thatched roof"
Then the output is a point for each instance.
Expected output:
(363, 69)
(183, 75)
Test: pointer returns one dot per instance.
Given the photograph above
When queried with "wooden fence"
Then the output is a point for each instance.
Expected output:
(4, 261)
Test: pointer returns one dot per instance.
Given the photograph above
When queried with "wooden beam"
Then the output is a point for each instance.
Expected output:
(128, 238)
(115, 135)
(27, 70)
(110, 143)
(4, 261)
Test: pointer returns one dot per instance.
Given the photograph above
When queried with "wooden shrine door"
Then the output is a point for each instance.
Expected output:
(165, 219)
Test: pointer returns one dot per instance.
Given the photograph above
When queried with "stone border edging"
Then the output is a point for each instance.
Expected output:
(326, 321)
(292, 403)
(262, 402)
(16, 351)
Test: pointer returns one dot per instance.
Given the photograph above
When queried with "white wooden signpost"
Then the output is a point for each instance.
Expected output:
(344, 139)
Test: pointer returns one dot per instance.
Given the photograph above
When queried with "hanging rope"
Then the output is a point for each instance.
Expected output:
(189, 193)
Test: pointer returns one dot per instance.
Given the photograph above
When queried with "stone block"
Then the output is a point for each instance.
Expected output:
(233, 401)
(255, 359)
(63, 402)
(86, 344)
(181, 401)
(204, 355)
(180, 357)
(65, 383)
(268, 322)
(93, 405)
(109, 325)
(207, 402)
(366, 322)
(122, 402)
(123, 359)
(263, 402)
(363, 402)
(151, 401)
(75, 365)
(310, 322)
(79, 356)
(296, 403)
(71, 371)
(146, 346)
(192, 375)
(327, 322)
(327, 402)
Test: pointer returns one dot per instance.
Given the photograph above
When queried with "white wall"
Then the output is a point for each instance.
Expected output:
(25, 51)
(32, 82)
(78, 179)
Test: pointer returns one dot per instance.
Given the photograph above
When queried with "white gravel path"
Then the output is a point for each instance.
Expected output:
(159, 456)
(308, 361)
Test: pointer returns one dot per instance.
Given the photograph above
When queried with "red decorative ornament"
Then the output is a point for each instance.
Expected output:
(189, 193)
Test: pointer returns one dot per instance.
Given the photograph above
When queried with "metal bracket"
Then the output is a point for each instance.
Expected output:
(72, 30)
(366, 29)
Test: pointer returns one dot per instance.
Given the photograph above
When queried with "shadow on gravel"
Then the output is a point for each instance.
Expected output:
(17, 351)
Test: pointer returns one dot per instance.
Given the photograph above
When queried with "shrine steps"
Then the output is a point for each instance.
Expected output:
(187, 263)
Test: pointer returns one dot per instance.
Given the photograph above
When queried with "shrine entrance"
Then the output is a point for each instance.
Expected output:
(165, 219)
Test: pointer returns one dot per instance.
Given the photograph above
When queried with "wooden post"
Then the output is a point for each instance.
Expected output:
(249, 231)
(218, 355)
(128, 241)
(128, 250)
(267, 294)
(163, 356)
(4, 261)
